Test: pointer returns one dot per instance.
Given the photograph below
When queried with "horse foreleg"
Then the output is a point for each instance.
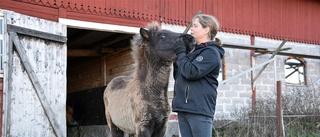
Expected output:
(160, 131)
(144, 132)
(115, 131)
(147, 133)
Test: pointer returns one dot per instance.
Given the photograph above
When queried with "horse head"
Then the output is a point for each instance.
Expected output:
(161, 42)
(189, 40)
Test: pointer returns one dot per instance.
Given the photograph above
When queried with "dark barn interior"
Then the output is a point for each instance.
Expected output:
(93, 59)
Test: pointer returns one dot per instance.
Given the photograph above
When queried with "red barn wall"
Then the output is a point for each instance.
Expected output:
(295, 20)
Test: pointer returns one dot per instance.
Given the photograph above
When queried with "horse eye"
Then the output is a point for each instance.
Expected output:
(162, 36)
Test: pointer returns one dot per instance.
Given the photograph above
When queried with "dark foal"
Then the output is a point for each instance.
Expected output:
(138, 104)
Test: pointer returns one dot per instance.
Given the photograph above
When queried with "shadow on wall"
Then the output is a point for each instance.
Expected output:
(88, 107)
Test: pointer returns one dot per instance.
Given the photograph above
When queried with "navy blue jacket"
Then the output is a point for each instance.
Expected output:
(195, 88)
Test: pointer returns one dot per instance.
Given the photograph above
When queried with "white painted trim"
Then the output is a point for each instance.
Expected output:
(1, 13)
(174, 28)
(98, 26)
(2, 33)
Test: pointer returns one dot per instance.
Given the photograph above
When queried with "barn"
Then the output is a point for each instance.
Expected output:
(56, 54)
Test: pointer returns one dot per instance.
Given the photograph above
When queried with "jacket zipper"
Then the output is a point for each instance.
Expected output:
(186, 94)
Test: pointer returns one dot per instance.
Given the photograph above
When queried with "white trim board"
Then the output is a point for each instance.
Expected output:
(98, 26)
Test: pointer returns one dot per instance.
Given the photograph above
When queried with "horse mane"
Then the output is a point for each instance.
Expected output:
(139, 46)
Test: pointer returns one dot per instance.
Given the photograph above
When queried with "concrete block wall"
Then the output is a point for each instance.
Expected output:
(237, 93)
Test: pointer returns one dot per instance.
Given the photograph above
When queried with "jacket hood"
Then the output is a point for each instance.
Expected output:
(212, 44)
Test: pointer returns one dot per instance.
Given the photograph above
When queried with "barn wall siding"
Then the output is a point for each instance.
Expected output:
(295, 20)
(87, 74)
(119, 64)
(25, 116)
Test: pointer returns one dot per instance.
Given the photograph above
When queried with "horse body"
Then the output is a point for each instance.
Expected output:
(138, 104)
(139, 109)
(123, 116)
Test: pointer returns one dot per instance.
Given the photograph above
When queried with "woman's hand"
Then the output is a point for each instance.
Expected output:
(179, 46)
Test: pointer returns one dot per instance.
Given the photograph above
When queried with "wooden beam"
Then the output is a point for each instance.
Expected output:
(38, 34)
(83, 53)
(108, 50)
(247, 47)
(6, 115)
(270, 50)
(299, 55)
(78, 36)
(36, 84)
(272, 56)
(110, 40)
(104, 70)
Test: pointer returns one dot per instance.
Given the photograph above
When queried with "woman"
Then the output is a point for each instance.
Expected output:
(196, 73)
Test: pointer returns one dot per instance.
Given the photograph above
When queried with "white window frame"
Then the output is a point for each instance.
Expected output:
(2, 42)
(296, 75)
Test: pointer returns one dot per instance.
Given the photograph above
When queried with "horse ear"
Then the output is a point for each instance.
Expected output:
(144, 33)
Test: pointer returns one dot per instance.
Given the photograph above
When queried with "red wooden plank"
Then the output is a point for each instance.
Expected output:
(291, 14)
(89, 5)
(179, 9)
(218, 11)
(166, 11)
(135, 6)
(157, 12)
(101, 7)
(107, 7)
(280, 13)
(228, 14)
(299, 24)
(133, 9)
(247, 11)
(150, 10)
(59, 3)
(313, 21)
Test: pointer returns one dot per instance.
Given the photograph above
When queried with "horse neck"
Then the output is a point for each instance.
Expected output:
(154, 74)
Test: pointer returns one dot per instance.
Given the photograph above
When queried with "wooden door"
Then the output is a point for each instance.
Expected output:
(35, 77)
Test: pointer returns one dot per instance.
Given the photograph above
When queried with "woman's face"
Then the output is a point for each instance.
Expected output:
(199, 33)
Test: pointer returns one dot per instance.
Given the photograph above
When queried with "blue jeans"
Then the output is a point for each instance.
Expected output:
(193, 125)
